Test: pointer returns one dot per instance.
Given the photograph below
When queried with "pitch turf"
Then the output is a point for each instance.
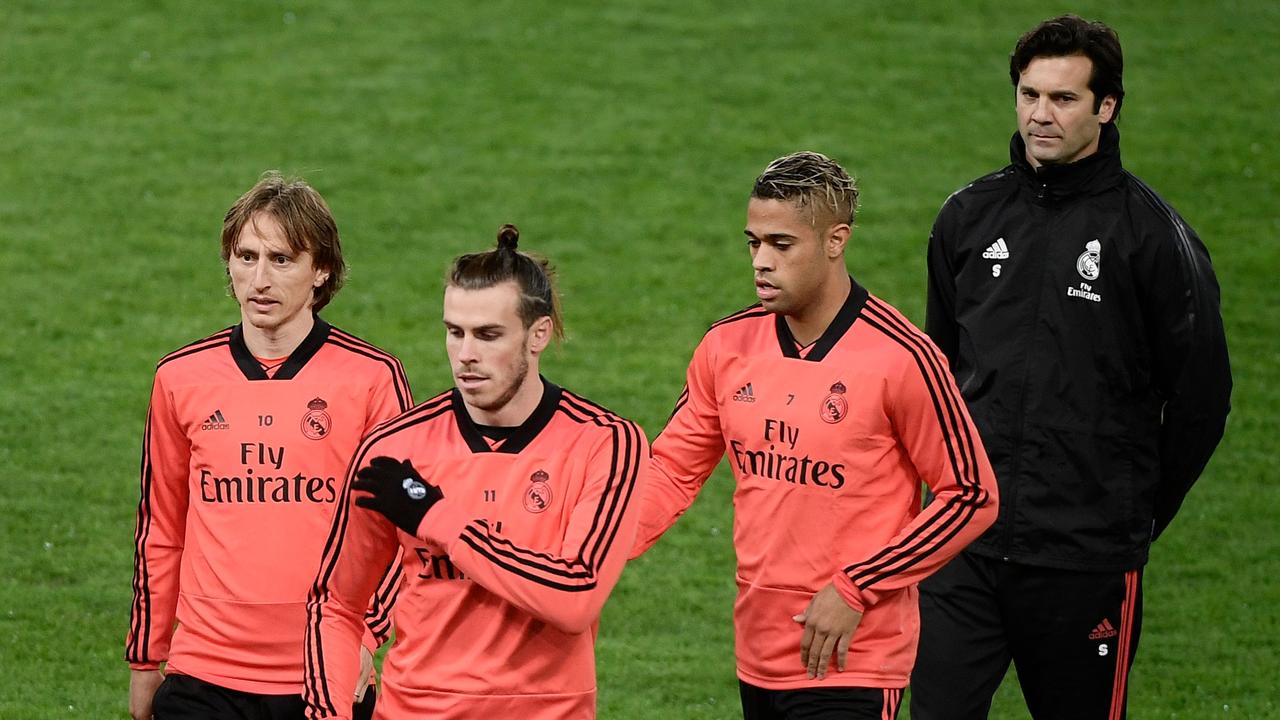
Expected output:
(622, 139)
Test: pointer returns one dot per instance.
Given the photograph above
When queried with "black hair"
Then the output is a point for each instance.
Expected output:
(1073, 35)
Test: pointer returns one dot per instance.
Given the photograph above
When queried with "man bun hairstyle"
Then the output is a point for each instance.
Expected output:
(306, 220)
(508, 237)
(810, 180)
(1073, 35)
(534, 277)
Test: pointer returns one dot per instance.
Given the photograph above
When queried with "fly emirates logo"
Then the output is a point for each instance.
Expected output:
(775, 458)
(265, 480)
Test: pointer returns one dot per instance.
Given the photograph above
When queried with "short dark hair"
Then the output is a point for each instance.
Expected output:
(534, 277)
(810, 180)
(306, 220)
(1073, 35)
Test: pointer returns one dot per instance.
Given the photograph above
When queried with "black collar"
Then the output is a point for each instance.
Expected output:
(523, 435)
(839, 326)
(1100, 171)
(252, 369)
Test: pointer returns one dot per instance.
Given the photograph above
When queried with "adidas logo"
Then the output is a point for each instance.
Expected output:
(997, 251)
(215, 422)
(1103, 631)
(745, 394)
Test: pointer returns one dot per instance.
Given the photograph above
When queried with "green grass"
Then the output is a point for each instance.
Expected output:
(623, 140)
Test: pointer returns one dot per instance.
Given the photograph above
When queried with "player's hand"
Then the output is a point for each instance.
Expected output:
(366, 673)
(142, 691)
(829, 623)
(397, 491)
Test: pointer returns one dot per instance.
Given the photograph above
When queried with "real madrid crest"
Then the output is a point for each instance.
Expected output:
(1089, 264)
(537, 497)
(834, 406)
(316, 423)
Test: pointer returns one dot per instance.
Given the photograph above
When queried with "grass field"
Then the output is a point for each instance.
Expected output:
(622, 139)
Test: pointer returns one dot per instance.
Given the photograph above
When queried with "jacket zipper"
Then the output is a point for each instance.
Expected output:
(1038, 287)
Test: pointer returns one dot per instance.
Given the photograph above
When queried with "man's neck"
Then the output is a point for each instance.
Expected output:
(280, 341)
(809, 325)
(1040, 167)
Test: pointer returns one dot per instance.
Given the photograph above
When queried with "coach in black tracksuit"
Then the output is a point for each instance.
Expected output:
(1080, 317)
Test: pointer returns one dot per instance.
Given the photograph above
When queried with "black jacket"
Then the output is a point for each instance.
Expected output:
(1080, 316)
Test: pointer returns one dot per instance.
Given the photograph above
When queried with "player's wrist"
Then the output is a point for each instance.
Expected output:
(856, 599)
(369, 640)
(442, 525)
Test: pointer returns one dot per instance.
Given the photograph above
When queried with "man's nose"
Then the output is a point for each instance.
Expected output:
(1040, 113)
(762, 260)
(467, 349)
(261, 275)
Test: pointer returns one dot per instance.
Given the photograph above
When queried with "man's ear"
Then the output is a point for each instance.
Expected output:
(540, 334)
(1107, 109)
(836, 239)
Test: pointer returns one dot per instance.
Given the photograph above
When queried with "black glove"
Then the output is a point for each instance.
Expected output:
(397, 491)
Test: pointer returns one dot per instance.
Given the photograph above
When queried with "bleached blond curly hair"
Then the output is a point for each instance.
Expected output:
(812, 181)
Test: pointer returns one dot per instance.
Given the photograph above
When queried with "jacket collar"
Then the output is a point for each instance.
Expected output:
(844, 320)
(1100, 171)
(523, 435)
(307, 349)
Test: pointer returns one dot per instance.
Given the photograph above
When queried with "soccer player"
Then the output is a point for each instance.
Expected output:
(831, 408)
(1080, 315)
(247, 441)
(515, 502)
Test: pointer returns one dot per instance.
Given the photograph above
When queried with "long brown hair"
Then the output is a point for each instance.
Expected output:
(306, 220)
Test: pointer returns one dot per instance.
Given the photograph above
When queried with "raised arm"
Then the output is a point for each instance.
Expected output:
(935, 430)
(566, 586)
